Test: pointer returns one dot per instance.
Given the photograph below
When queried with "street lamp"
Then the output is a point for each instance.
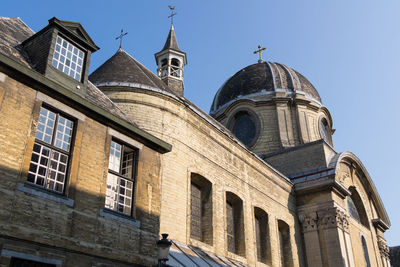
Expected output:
(163, 246)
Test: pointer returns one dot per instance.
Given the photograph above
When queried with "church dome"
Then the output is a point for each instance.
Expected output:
(260, 79)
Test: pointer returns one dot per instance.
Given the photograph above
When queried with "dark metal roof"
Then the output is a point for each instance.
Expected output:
(123, 69)
(171, 42)
(262, 77)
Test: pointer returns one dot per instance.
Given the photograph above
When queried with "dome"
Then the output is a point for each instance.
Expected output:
(260, 79)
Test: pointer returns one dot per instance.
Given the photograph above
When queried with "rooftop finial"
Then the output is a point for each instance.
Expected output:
(259, 51)
(172, 8)
(120, 38)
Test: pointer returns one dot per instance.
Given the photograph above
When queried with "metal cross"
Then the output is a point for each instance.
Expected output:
(259, 51)
(120, 37)
(172, 14)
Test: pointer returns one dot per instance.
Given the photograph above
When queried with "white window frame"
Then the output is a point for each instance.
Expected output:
(50, 169)
(120, 186)
(68, 58)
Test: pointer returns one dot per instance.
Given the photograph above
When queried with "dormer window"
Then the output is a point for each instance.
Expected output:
(68, 58)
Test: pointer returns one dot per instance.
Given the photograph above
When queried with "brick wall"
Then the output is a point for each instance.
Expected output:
(36, 222)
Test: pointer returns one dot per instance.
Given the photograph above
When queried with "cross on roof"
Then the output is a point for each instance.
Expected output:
(259, 51)
(172, 14)
(120, 37)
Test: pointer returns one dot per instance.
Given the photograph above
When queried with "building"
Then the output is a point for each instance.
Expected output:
(94, 168)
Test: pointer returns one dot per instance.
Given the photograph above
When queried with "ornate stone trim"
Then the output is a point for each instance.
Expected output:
(309, 221)
(383, 248)
(332, 218)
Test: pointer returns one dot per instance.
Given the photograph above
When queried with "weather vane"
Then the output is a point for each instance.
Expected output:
(120, 37)
(172, 8)
(259, 51)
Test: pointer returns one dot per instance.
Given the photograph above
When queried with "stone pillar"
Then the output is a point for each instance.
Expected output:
(384, 251)
(334, 240)
(309, 223)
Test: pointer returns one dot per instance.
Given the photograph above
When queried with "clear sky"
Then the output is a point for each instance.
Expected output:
(349, 50)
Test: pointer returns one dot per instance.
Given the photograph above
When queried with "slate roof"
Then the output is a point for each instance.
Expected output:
(171, 42)
(123, 69)
(262, 77)
(14, 31)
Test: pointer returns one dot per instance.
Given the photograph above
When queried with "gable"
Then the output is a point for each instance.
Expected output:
(75, 29)
(351, 173)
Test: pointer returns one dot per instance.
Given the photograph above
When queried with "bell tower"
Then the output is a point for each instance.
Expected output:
(171, 60)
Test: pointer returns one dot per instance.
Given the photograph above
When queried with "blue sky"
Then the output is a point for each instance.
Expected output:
(349, 50)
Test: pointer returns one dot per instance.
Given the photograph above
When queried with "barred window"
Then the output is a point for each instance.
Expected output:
(68, 58)
(51, 151)
(120, 178)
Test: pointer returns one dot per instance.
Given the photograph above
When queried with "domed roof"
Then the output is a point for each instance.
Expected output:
(263, 78)
(123, 70)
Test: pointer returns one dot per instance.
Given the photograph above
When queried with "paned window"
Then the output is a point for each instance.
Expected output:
(51, 151)
(68, 58)
(120, 178)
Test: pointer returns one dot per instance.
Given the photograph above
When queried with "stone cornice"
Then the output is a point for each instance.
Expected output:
(317, 185)
(380, 224)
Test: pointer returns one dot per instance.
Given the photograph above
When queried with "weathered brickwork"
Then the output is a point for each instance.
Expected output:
(77, 234)
(200, 148)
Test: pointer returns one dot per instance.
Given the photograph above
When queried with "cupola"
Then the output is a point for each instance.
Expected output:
(61, 51)
(170, 61)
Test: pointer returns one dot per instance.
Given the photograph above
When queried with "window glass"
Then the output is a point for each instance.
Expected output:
(244, 128)
(120, 184)
(352, 209)
(365, 250)
(115, 156)
(68, 58)
(50, 155)
(325, 131)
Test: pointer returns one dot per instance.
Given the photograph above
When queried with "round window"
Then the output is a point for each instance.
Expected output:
(244, 127)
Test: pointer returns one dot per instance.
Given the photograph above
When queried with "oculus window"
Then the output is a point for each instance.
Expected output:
(51, 151)
(68, 58)
(120, 178)
(245, 126)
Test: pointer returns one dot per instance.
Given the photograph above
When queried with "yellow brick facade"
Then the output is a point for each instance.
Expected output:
(75, 235)
(287, 199)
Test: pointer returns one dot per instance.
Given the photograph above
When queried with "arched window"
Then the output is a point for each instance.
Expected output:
(235, 224)
(163, 70)
(325, 130)
(285, 246)
(356, 208)
(175, 68)
(262, 236)
(201, 209)
(365, 250)
(175, 62)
